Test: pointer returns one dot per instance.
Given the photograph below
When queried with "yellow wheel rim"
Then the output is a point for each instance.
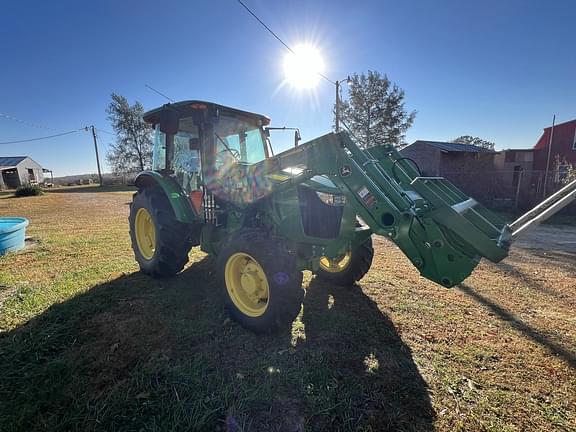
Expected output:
(335, 265)
(145, 233)
(247, 284)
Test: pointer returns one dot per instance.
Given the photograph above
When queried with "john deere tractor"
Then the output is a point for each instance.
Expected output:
(216, 183)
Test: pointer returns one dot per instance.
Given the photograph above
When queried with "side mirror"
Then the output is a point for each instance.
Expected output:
(297, 137)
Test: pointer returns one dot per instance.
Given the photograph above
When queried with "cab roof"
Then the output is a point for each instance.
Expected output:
(152, 115)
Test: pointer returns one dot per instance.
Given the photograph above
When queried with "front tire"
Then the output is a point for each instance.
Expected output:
(349, 268)
(260, 280)
(160, 243)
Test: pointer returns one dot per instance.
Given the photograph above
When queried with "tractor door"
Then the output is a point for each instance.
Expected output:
(186, 160)
(177, 153)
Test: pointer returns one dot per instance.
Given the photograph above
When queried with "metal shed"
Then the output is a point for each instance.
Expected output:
(16, 171)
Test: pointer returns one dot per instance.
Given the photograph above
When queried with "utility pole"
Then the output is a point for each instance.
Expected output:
(96, 150)
(338, 83)
(337, 106)
(548, 159)
(518, 187)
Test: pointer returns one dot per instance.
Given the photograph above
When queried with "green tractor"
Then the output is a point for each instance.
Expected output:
(216, 183)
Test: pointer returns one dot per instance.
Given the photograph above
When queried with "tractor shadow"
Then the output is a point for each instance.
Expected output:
(136, 353)
(364, 352)
(560, 261)
(525, 329)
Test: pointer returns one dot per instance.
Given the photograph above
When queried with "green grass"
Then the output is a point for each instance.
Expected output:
(88, 343)
(28, 190)
(126, 354)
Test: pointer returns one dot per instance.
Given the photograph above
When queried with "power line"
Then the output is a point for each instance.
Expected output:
(41, 138)
(265, 26)
(28, 123)
(278, 37)
(25, 122)
(99, 137)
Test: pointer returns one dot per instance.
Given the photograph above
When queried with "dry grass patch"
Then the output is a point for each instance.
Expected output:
(88, 343)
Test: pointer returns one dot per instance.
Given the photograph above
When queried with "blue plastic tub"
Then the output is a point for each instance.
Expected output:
(12, 234)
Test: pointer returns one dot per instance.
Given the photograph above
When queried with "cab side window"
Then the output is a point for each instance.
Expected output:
(186, 163)
(159, 150)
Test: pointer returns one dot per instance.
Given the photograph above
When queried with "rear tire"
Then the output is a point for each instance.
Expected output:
(260, 281)
(160, 243)
(357, 265)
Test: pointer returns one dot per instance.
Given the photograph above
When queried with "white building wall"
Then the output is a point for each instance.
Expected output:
(23, 172)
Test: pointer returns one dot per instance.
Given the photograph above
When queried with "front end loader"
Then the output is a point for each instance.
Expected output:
(215, 183)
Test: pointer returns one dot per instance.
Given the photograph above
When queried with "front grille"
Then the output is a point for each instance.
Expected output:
(318, 219)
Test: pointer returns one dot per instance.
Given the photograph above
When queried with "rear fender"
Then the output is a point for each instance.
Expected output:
(179, 202)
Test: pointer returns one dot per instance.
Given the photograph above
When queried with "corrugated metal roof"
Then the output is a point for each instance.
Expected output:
(11, 161)
(455, 147)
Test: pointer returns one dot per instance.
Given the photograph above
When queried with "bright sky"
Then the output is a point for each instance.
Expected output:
(496, 69)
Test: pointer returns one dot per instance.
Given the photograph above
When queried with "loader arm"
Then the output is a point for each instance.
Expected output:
(443, 232)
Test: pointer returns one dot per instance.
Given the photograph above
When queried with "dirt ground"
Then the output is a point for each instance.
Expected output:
(558, 238)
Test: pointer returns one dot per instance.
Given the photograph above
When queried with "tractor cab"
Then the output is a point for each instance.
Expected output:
(201, 144)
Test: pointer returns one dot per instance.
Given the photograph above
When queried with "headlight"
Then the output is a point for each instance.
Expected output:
(331, 199)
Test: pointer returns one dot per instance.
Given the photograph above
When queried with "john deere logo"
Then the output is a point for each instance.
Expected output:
(345, 170)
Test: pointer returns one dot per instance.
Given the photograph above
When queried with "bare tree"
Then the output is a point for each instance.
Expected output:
(133, 148)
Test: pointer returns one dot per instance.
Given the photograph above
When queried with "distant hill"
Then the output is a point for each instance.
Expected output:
(76, 179)
(108, 178)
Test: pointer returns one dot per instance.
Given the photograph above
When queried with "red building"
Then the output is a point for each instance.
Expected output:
(563, 146)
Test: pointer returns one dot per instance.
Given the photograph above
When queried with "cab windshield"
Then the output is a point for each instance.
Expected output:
(243, 139)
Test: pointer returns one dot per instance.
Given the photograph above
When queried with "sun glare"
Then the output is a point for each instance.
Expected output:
(302, 68)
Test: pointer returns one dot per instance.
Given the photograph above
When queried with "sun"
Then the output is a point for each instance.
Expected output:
(303, 67)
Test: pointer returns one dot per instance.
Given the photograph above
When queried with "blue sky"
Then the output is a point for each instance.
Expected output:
(495, 69)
